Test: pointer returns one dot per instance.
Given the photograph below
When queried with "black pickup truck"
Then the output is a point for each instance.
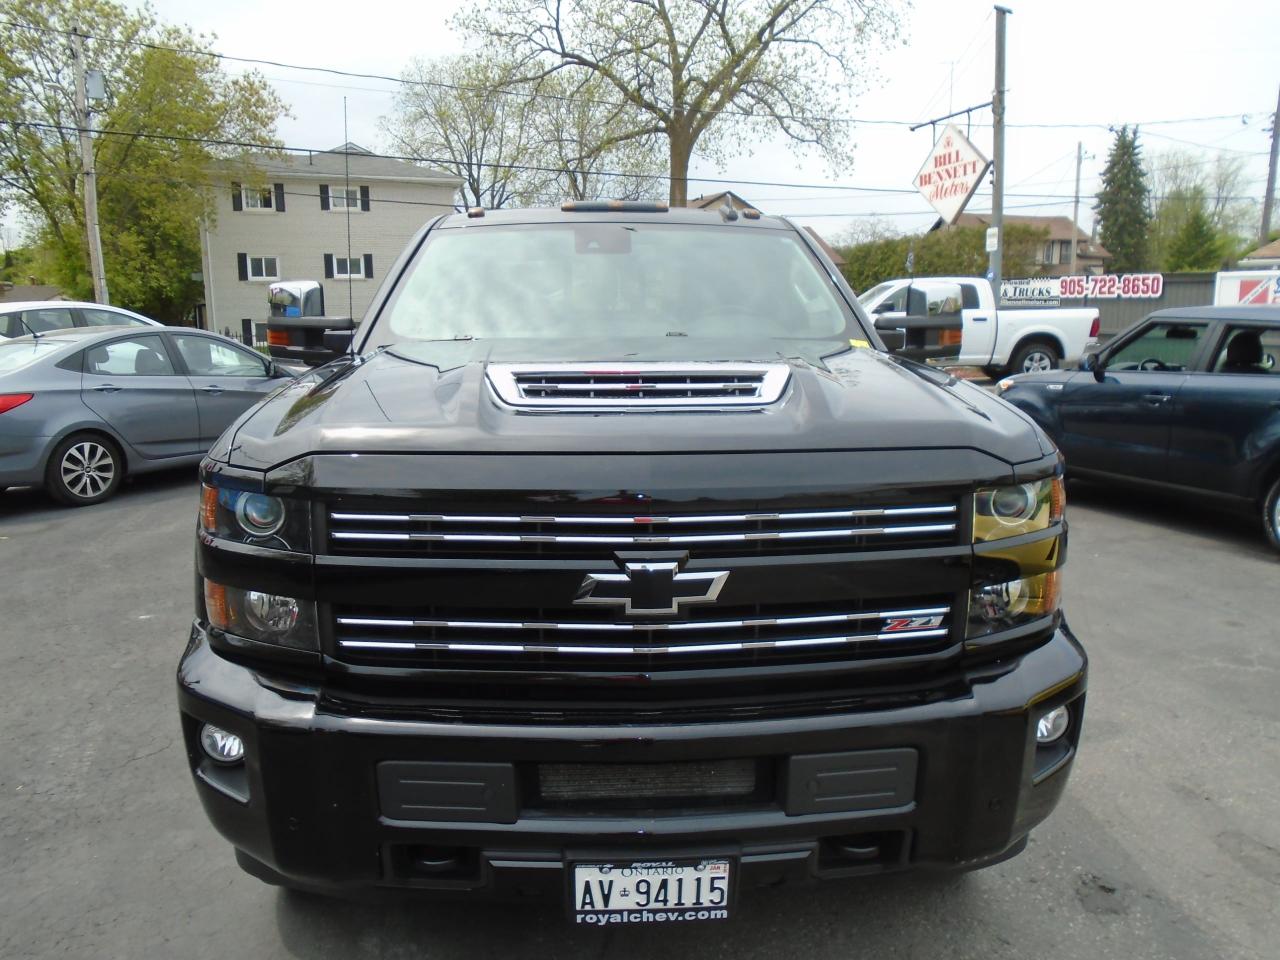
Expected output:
(619, 563)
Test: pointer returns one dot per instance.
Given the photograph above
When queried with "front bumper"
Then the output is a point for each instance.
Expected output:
(304, 808)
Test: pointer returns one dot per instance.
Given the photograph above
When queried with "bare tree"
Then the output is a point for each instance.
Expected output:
(702, 73)
(1184, 185)
(585, 139)
(459, 114)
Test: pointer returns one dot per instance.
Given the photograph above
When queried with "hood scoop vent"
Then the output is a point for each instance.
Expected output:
(638, 385)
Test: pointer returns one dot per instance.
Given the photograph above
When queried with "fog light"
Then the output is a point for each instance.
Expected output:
(259, 515)
(1052, 725)
(220, 745)
(270, 614)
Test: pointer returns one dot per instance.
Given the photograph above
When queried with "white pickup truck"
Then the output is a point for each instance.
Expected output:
(954, 320)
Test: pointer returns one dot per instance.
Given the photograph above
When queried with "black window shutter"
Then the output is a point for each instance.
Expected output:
(237, 200)
(368, 265)
(242, 265)
(328, 265)
(279, 197)
(324, 196)
(364, 199)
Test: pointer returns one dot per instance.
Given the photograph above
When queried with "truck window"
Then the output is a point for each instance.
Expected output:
(611, 280)
(943, 298)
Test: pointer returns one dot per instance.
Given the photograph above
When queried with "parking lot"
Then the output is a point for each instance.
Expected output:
(1167, 843)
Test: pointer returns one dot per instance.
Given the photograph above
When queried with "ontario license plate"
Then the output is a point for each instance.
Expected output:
(650, 891)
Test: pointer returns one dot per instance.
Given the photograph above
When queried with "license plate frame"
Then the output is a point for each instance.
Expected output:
(671, 891)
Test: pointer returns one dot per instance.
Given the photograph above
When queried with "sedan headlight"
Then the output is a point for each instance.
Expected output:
(1002, 606)
(257, 518)
(265, 617)
(1011, 511)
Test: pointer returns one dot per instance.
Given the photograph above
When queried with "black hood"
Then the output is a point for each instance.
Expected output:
(433, 397)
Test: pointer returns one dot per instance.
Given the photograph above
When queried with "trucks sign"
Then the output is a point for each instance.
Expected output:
(1104, 286)
(951, 173)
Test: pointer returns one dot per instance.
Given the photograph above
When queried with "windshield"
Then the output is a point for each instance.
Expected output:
(616, 280)
(15, 356)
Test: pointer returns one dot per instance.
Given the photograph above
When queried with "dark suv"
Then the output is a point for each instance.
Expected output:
(618, 563)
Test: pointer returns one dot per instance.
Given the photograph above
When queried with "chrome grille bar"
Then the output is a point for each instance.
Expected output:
(642, 627)
(727, 647)
(645, 519)
(633, 385)
(698, 538)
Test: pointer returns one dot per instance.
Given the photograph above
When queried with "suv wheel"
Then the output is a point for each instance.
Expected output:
(1035, 357)
(85, 468)
(1271, 514)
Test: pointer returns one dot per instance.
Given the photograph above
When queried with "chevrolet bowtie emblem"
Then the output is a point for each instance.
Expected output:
(651, 588)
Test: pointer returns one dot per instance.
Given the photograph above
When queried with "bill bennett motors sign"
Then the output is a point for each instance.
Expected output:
(951, 173)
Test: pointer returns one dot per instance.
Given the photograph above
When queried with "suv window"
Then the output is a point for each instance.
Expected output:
(206, 357)
(109, 318)
(1166, 345)
(137, 356)
(1248, 350)
(37, 321)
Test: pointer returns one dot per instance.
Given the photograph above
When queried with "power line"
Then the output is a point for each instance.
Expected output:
(268, 147)
(334, 71)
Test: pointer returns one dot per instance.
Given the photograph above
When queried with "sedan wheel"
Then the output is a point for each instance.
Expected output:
(84, 469)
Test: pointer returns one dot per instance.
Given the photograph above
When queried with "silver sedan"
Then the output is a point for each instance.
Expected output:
(81, 408)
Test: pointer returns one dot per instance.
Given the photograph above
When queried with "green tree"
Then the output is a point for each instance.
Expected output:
(1182, 182)
(1197, 245)
(1123, 205)
(704, 74)
(953, 252)
(153, 188)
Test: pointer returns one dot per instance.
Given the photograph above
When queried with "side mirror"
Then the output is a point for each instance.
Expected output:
(894, 340)
(1095, 363)
(888, 323)
(338, 342)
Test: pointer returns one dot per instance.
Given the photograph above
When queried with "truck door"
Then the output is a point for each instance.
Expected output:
(978, 339)
(929, 314)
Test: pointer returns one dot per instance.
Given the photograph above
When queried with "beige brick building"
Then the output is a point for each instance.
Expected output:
(292, 224)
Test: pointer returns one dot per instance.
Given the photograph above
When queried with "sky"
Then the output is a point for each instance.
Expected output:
(1088, 62)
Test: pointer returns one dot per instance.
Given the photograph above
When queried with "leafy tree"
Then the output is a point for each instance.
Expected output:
(1197, 245)
(953, 251)
(152, 191)
(1123, 205)
(1181, 183)
(705, 74)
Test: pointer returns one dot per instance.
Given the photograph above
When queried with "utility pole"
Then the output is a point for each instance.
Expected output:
(1075, 207)
(1269, 200)
(997, 188)
(83, 121)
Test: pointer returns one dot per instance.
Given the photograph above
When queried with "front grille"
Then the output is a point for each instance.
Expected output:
(642, 784)
(723, 638)
(637, 385)
(353, 531)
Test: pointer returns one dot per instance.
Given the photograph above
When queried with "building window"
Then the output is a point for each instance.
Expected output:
(1046, 255)
(344, 269)
(264, 268)
(347, 198)
(257, 199)
(1064, 251)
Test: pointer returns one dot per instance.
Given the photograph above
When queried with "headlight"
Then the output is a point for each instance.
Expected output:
(255, 518)
(265, 617)
(1000, 512)
(1001, 606)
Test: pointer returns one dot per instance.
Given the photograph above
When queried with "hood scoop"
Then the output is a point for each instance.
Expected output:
(638, 385)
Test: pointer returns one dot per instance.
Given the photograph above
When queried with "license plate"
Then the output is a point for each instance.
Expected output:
(650, 891)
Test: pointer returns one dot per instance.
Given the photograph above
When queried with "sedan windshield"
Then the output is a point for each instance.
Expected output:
(23, 353)
(579, 280)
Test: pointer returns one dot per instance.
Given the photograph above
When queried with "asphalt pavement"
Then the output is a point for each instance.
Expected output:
(1167, 843)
